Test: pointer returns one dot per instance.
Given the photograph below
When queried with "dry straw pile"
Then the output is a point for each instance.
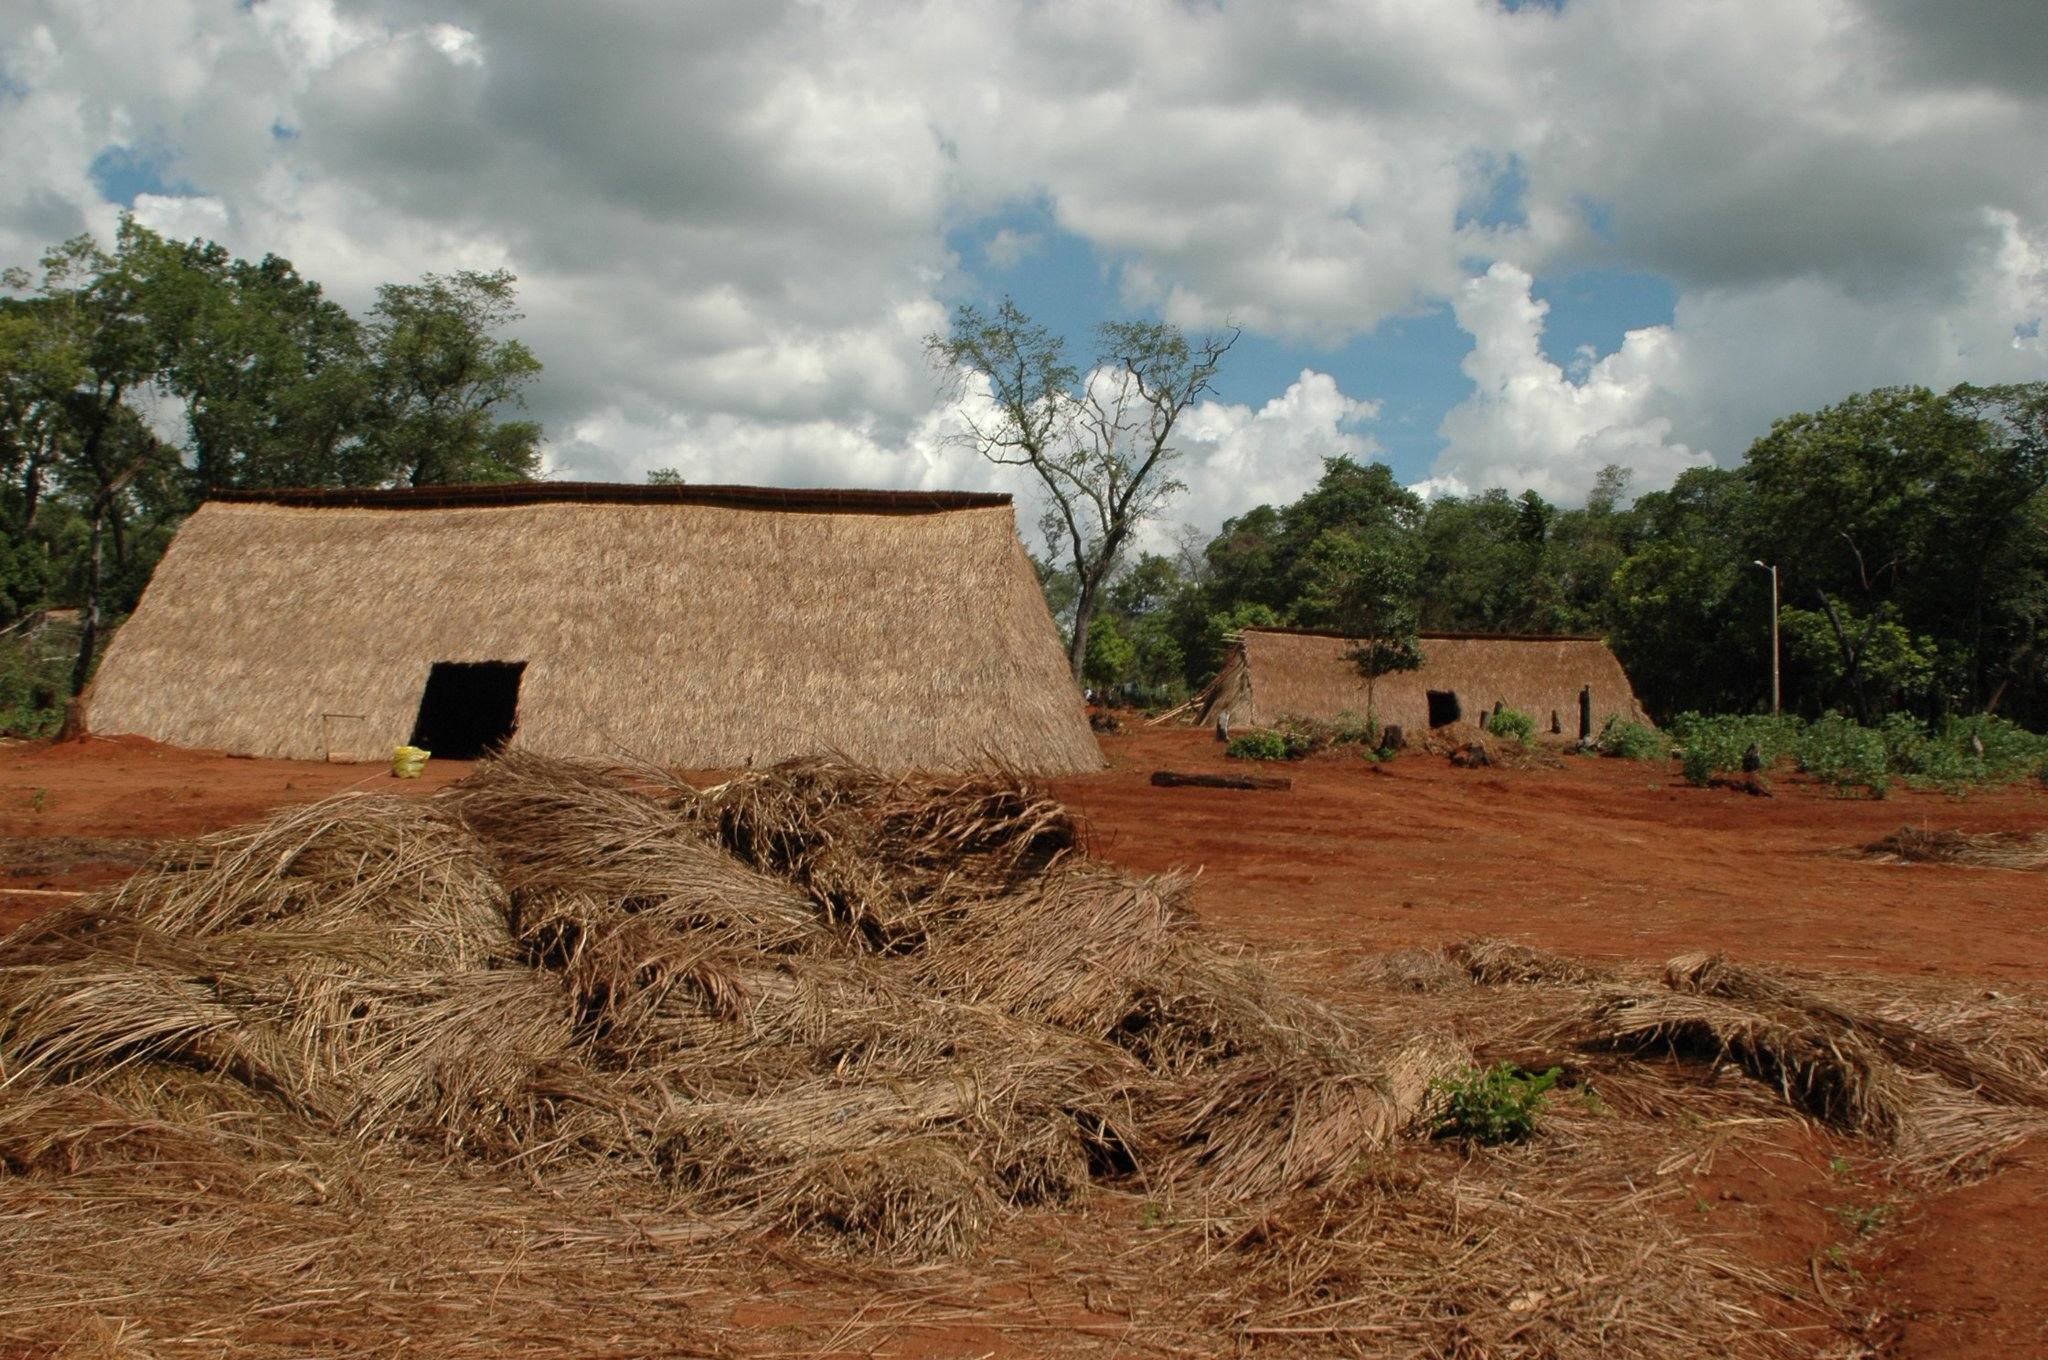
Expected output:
(565, 1058)
(813, 1001)
(1984, 850)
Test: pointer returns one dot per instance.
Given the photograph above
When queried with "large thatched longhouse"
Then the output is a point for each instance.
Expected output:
(1274, 673)
(696, 626)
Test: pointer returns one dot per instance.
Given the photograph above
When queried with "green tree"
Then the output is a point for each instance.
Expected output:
(1917, 507)
(1111, 657)
(1481, 556)
(441, 379)
(1365, 584)
(1690, 615)
(273, 374)
(92, 306)
(1895, 668)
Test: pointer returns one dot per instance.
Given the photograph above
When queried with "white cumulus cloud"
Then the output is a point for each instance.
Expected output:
(731, 222)
(1530, 424)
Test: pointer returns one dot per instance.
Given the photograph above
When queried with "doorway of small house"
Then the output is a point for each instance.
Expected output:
(469, 708)
(1443, 708)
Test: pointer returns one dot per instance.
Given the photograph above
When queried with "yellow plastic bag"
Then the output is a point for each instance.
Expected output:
(408, 761)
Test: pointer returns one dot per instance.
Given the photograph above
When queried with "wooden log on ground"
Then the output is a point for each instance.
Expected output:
(1175, 779)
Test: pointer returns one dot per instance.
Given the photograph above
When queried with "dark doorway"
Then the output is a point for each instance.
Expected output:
(469, 708)
(1443, 708)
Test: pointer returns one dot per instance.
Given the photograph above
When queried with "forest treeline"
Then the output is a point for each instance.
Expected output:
(1909, 529)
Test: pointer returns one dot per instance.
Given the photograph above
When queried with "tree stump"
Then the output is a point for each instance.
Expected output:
(1471, 755)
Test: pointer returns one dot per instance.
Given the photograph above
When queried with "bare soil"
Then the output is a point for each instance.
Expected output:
(1593, 857)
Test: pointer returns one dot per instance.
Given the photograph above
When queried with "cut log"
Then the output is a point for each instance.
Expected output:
(1174, 779)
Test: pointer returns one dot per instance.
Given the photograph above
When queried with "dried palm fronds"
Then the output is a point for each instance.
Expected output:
(1495, 962)
(1419, 969)
(1985, 850)
(1908, 1045)
(1835, 1076)
(340, 864)
(1522, 1258)
(547, 1029)
(879, 853)
(576, 844)
(1072, 949)
(1260, 1127)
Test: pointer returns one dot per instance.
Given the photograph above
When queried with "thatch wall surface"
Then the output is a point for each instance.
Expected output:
(695, 634)
(1271, 674)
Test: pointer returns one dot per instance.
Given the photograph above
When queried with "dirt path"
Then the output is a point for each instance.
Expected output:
(1599, 857)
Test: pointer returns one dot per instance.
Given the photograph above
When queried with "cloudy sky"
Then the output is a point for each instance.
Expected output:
(1493, 244)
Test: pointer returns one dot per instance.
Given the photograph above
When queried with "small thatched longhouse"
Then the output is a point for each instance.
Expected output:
(696, 626)
(1274, 673)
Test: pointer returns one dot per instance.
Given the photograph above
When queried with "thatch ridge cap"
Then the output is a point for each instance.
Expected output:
(1430, 635)
(801, 500)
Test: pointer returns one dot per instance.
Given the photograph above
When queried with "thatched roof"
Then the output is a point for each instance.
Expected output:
(1273, 673)
(697, 626)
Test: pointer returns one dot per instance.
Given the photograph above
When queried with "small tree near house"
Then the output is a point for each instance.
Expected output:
(1365, 583)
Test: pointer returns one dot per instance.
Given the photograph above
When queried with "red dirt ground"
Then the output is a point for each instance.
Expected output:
(1596, 857)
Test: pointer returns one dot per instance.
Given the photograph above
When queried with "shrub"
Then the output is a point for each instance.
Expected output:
(1302, 737)
(32, 690)
(1351, 730)
(1632, 740)
(2010, 751)
(1958, 753)
(1948, 757)
(1496, 1104)
(1260, 744)
(1513, 723)
(1715, 745)
(1844, 753)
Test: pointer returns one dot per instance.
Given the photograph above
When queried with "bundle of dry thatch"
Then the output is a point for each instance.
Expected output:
(1984, 850)
(1940, 1086)
(811, 999)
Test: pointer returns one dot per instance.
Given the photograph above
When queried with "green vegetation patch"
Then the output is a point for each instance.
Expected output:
(1497, 1104)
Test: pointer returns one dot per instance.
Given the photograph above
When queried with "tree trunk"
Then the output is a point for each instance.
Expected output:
(1084, 614)
(31, 493)
(1849, 657)
(1088, 579)
(89, 616)
(1174, 779)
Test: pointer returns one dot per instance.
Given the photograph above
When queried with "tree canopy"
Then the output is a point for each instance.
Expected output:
(136, 379)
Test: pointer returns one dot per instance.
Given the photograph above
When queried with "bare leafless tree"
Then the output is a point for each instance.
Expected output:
(1101, 444)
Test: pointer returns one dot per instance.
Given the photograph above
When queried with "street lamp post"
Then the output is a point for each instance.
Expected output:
(1773, 570)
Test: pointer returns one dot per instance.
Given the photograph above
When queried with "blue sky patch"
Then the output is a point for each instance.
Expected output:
(1598, 307)
(1501, 202)
(1411, 365)
(122, 172)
